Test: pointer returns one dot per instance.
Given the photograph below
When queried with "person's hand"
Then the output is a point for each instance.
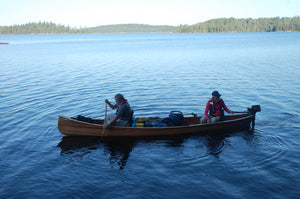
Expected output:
(232, 112)
(106, 101)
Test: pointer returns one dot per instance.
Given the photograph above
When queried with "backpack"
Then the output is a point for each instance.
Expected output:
(176, 119)
(85, 119)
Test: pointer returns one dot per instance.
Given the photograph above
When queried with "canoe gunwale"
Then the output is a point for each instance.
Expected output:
(167, 127)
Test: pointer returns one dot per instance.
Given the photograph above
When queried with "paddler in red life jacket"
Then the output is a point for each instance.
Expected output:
(215, 108)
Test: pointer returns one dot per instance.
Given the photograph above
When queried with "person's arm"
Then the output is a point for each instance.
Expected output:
(225, 107)
(206, 110)
(110, 105)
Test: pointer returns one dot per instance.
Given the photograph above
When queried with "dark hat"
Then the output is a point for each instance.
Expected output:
(216, 94)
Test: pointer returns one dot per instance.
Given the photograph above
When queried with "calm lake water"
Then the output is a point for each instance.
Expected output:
(43, 76)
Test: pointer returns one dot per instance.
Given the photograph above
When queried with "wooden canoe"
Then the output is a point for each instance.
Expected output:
(239, 122)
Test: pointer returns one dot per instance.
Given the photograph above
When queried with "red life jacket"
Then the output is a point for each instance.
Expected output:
(216, 108)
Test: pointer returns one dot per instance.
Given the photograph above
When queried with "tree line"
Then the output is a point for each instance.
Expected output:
(40, 28)
(275, 24)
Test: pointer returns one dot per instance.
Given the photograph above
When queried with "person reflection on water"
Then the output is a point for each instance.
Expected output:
(123, 116)
(214, 109)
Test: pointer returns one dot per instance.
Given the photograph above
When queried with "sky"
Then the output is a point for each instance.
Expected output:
(91, 13)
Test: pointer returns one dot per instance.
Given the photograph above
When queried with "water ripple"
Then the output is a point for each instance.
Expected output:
(45, 76)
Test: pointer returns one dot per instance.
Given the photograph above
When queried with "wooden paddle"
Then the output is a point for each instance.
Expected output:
(103, 131)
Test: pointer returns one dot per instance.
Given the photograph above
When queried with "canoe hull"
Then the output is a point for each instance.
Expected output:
(71, 126)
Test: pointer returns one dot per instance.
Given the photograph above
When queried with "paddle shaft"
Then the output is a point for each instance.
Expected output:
(104, 119)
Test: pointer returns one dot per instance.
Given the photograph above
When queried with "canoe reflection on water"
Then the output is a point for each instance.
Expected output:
(118, 150)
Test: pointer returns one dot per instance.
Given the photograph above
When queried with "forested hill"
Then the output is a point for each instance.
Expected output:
(276, 24)
(131, 28)
(40, 28)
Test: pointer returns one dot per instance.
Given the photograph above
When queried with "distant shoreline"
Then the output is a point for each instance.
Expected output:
(3, 43)
(221, 25)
